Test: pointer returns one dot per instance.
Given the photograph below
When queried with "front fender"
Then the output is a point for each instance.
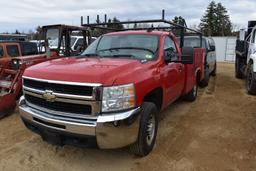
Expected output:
(253, 58)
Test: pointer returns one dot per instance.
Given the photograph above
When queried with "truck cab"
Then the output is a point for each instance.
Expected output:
(11, 49)
(246, 57)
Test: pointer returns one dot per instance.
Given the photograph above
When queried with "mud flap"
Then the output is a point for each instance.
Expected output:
(7, 104)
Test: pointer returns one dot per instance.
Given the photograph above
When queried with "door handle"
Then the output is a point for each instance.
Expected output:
(180, 68)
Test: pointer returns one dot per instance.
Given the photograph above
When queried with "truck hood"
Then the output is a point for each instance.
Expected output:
(85, 70)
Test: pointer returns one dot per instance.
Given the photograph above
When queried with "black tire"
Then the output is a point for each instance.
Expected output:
(238, 72)
(214, 72)
(251, 81)
(205, 81)
(145, 143)
(192, 95)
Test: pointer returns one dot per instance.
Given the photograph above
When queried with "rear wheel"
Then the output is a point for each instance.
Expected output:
(147, 132)
(238, 66)
(192, 95)
(205, 81)
(251, 81)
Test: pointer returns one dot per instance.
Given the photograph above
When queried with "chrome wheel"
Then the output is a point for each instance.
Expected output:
(151, 124)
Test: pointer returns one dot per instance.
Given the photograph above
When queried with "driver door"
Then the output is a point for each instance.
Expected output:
(174, 72)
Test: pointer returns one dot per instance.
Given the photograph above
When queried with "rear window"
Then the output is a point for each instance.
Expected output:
(12, 50)
(194, 42)
(29, 49)
(1, 51)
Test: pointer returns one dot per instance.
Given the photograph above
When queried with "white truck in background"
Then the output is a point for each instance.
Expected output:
(76, 42)
(245, 65)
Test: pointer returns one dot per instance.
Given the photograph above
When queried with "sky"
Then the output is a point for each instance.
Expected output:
(26, 15)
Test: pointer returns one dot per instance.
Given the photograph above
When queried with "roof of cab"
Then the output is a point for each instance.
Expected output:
(139, 32)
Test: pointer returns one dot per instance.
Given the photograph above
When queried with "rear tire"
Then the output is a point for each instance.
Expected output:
(238, 72)
(205, 81)
(251, 81)
(147, 132)
(192, 95)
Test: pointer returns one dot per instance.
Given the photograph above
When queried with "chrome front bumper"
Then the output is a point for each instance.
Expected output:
(111, 130)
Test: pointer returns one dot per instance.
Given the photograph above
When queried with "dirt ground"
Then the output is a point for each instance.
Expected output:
(217, 132)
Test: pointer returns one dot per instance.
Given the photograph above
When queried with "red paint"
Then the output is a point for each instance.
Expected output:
(108, 71)
(8, 101)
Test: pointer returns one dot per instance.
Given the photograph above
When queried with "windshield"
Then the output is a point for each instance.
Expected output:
(72, 41)
(137, 46)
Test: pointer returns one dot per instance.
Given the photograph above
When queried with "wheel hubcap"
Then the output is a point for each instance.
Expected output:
(151, 129)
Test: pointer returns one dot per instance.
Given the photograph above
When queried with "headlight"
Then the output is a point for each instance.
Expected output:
(16, 63)
(118, 98)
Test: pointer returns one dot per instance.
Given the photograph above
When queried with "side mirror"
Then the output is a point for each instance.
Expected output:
(212, 48)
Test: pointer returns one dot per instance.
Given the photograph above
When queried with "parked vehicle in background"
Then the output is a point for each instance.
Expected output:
(40, 45)
(245, 66)
(210, 56)
(110, 96)
(11, 73)
(13, 37)
(10, 49)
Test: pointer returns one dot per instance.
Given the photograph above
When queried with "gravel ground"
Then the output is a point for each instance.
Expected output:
(217, 132)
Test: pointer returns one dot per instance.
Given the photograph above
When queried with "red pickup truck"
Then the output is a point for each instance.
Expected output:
(111, 95)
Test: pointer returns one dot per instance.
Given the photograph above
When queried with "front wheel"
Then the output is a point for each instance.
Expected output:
(147, 132)
(251, 81)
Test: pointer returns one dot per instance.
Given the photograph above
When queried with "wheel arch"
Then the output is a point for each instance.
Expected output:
(155, 96)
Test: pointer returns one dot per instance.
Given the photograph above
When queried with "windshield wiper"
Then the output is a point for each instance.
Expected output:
(90, 55)
(124, 56)
(137, 48)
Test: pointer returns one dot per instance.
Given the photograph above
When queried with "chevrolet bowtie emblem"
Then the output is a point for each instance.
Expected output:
(49, 96)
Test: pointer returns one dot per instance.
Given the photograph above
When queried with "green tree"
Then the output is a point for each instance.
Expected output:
(216, 21)
(179, 20)
(223, 21)
(207, 24)
(17, 31)
(115, 23)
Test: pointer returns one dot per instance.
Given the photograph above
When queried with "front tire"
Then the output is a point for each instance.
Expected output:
(251, 81)
(147, 132)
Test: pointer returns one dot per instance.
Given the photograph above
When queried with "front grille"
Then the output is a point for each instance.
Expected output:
(59, 106)
(59, 88)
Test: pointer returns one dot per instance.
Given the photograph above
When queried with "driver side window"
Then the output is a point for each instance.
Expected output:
(170, 51)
